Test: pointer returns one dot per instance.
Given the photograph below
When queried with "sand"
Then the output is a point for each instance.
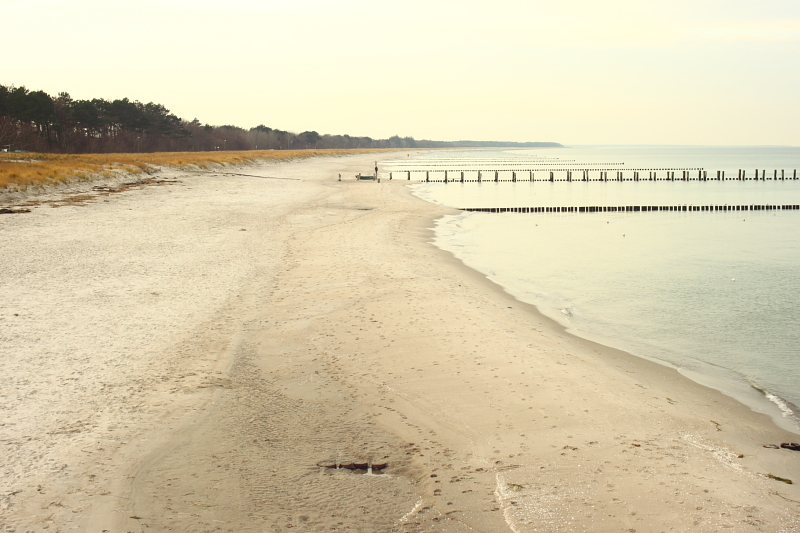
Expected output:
(201, 355)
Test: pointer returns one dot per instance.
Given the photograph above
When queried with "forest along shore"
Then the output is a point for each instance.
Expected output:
(233, 353)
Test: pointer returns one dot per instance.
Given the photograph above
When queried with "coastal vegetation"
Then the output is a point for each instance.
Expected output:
(46, 139)
(23, 170)
(35, 121)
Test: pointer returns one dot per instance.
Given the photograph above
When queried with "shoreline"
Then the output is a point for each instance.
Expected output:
(784, 413)
(287, 326)
(759, 403)
(558, 327)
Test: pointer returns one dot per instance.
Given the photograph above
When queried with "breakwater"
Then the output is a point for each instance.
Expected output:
(630, 208)
(587, 175)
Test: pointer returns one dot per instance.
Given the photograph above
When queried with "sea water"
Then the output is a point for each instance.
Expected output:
(715, 294)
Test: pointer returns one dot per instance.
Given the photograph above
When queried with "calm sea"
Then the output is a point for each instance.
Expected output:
(714, 294)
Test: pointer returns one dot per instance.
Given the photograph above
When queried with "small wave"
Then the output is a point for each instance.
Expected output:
(789, 411)
(785, 408)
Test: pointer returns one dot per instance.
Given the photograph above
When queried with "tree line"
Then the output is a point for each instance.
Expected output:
(35, 121)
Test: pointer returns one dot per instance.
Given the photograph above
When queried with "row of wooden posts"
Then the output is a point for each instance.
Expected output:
(653, 175)
(630, 208)
(505, 163)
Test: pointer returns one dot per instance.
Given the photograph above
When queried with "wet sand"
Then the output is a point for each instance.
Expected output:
(230, 353)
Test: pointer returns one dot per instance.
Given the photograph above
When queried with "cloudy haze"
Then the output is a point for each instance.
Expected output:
(576, 72)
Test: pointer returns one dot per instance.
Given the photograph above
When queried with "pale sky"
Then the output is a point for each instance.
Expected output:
(575, 72)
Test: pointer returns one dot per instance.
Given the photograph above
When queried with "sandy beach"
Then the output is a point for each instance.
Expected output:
(225, 352)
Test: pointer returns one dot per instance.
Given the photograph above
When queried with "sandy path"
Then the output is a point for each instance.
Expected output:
(168, 371)
(117, 317)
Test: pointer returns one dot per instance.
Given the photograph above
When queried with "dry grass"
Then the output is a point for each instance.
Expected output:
(21, 171)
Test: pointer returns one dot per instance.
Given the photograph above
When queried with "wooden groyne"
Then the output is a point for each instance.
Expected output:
(631, 208)
(584, 174)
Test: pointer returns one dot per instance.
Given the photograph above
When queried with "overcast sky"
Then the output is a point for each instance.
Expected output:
(575, 71)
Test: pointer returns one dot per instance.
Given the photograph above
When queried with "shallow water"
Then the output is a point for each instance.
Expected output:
(715, 294)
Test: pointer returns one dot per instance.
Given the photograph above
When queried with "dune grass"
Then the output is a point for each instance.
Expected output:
(23, 170)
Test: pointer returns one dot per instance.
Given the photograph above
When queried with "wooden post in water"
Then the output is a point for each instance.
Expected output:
(763, 174)
(427, 176)
(479, 176)
(775, 175)
(781, 174)
(409, 175)
(530, 175)
(495, 176)
(514, 177)
(551, 175)
(462, 176)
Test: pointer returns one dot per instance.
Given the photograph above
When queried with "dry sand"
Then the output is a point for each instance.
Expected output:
(192, 356)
